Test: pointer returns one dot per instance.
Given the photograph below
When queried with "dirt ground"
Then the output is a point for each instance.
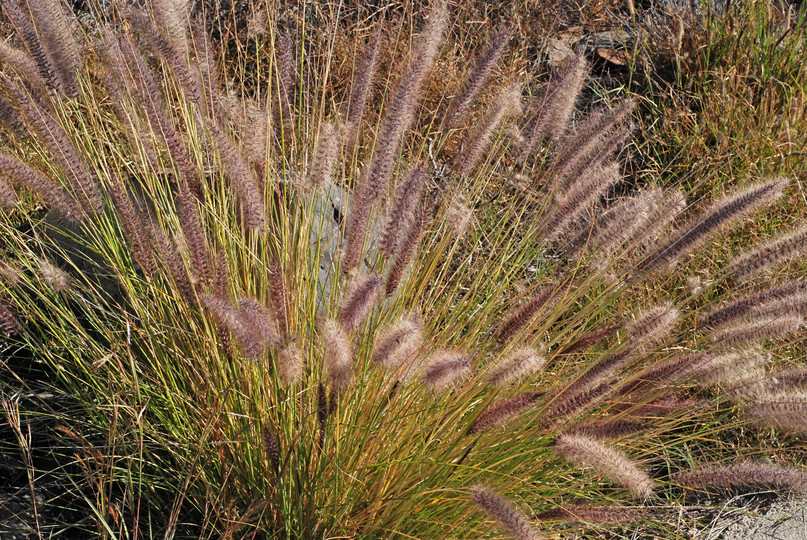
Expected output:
(785, 519)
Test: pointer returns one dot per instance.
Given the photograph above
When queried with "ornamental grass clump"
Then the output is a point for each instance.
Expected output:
(289, 293)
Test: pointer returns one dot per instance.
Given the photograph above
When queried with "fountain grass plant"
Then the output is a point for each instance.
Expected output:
(308, 307)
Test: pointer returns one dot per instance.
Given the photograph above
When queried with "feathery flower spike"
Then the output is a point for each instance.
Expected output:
(510, 517)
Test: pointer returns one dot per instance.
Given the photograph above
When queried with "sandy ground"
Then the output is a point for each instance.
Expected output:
(783, 520)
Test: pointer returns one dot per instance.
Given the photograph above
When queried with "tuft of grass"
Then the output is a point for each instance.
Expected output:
(278, 286)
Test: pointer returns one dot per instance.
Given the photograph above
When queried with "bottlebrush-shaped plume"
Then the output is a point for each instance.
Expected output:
(638, 224)
(134, 77)
(610, 429)
(10, 275)
(665, 212)
(445, 369)
(729, 368)
(322, 414)
(338, 356)
(564, 212)
(246, 185)
(10, 118)
(556, 107)
(458, 215)
(359, 208)
(601, 157)
(221, 275)
(136, 231)
(583, 383)
(156, 40)
(290, 362)
(784, 410)
(477, 79)
(50, 42)
(240, 175)
(258, 320)
(226, 315)
(610, 231)
(358, 304)
(589, 144)
(732, 208)
(747, 264)
(589, 339)
(652, 327)
(26, 31)
(508, 516)
(209, 83)
(132, 125)
(592, 514)
(277, 289)
(399, 343)
(325, 157)
(287, 81)
(581, 395)
(592, 130)
(172, 16)
(167, 251)
(23, 175)
(746, 386)
(518, 364)
(794, 305)
(666, 405)
(522, 315)
(407, 94)
(742, 475)
(644, 334)
(195, 236)
(400, 114)
(732, 310)
(606, 461)
(757, 330)
(360, 89)
(249, 321)
(406, 253)
(23, 64)
(507, 105)
(403, 208)
(251, 120)
(627, 220)
(8, 322)
(54, 28)
(169, 143)
(62, 148)
(667, 374)
(499, 412)
(8, 197)
(271, 445)
(782, 381)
